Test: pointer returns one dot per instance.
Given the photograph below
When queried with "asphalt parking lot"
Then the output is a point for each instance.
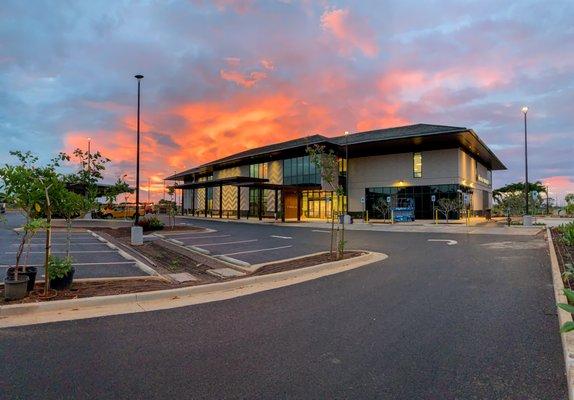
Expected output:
(255, 247)
(91, 257)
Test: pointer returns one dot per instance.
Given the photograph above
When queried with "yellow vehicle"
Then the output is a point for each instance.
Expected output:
(122, 211)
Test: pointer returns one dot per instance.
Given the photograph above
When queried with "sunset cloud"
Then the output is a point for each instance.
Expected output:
(350, 32)
(246, 80)
(225, 76)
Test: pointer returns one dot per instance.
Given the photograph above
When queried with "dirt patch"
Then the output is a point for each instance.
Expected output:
(303, 262)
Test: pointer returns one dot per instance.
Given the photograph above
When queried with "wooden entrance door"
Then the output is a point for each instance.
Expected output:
(290, 205)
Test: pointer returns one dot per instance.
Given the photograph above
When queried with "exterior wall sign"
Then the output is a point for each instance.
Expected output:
(484, 180)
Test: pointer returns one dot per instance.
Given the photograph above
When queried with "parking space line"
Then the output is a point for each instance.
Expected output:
(221, 244)
(82, 264)
(204, 237)
(281, 237)
(63, 252)
(320, 231)
(62, 244)
(255, 251)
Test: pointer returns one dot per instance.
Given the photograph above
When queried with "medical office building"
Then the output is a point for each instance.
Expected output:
(415, 164)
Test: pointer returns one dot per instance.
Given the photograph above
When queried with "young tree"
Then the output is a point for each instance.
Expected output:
(328, 165)
(381, 206)
(70, 205)
(446, 206)
(119, 187)
(22, 189)
(172, 207)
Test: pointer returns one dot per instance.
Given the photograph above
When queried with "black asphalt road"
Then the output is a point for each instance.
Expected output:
(471, 321)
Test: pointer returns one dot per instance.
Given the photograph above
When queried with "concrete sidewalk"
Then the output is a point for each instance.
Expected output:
(416, 227)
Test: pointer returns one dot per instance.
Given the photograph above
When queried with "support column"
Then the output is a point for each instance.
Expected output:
(260, 208)
(193, 202)
(220, 201)
(282, 205)
(276, 203)
(205, 202)
(298, 205)
(238, 202)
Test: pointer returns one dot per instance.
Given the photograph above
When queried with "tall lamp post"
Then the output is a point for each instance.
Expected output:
(89, 155)
(346, 172)
(526, 191)
(137, 218)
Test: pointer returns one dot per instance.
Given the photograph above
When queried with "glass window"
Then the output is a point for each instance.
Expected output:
(417, 165)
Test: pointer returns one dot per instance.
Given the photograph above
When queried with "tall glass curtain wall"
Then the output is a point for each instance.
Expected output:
(300, 171)
(420, 194)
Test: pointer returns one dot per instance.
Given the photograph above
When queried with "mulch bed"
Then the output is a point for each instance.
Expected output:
(115, 287)
(173, 262)
(303, 262)
(564, 253)
(100, 288)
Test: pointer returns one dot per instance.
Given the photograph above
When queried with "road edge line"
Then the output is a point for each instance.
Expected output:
(563, 316)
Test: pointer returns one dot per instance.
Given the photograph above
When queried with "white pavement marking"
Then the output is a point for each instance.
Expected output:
(62, 244)
(281, 237)
(83, 264)
(203, 237)
(316, 230)
(62, 252)
(256, 251)
(449, 242)
(221, 244)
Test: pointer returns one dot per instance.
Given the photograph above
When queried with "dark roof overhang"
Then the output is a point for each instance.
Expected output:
(235, 181)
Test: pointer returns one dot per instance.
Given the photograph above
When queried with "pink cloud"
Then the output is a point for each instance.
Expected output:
(267, 64)
(245, 80)
(232, 61)
(349, 32)
(559, 186)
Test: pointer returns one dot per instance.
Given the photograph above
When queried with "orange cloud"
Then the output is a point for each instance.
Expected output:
(350, 33)
(559, 186)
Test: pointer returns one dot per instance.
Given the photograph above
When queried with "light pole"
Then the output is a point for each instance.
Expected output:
(346, 172)
(137, 218)
(148, 188)
(526, 191)
(89, 156)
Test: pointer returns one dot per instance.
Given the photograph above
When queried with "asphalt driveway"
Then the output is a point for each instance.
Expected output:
(471, 320)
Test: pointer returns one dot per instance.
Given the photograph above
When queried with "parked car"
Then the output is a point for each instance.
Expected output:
(121, 211)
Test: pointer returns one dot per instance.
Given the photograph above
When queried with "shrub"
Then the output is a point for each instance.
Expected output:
(59, 267)
(152, 223)
(567, 231)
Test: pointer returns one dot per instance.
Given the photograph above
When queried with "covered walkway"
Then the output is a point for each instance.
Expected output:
(287, 202)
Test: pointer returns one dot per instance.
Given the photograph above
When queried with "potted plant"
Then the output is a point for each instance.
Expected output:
(30, 229)
(61, 272)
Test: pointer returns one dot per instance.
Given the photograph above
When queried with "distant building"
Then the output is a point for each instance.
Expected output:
(404, 165)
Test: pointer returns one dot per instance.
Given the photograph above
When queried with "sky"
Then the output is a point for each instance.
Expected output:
(223, 76)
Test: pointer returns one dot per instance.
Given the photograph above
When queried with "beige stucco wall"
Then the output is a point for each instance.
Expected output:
(439, 167)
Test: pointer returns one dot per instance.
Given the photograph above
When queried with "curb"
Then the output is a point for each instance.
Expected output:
(145, 268)
(563, 316)
(191, 294)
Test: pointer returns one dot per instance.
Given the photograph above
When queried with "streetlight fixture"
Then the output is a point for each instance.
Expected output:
(526, 189)
(137, 217)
